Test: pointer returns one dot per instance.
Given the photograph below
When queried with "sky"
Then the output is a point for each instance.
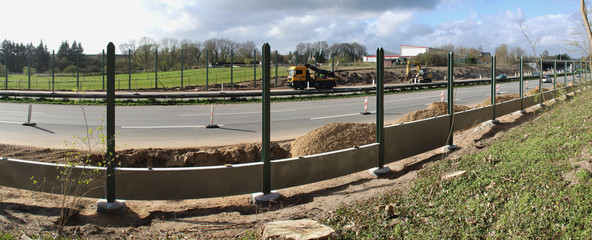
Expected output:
(283, 24)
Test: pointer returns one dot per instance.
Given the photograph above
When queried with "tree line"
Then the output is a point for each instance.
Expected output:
(221, 51)
(504, 53)
(18, 57)
(141, 54)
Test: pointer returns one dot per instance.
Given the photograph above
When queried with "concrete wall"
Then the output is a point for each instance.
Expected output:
(401, 141)
(412, 138)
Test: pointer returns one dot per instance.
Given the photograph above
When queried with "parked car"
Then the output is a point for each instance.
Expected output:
(501, 77)
(547, 79)
(536, 73)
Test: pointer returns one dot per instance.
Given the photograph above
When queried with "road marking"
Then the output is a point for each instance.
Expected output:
(406, 99)
(21, 112)
(238, 113)
(11, 122)
(162, 127)
(335, 116)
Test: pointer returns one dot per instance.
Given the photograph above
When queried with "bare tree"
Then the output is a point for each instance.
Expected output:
(523, 28)
(584, 12)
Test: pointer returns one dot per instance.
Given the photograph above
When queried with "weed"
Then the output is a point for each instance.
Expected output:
(513, 189)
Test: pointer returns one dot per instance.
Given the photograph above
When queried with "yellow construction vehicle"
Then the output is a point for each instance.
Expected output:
(421, 76)
(299, 77)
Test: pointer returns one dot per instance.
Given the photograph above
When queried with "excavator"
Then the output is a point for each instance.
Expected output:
(299, 77)
(422, 75)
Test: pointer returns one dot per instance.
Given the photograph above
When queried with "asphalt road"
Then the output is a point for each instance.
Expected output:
(184, 126)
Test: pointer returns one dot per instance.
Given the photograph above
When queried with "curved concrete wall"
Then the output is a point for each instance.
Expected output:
(401, 141)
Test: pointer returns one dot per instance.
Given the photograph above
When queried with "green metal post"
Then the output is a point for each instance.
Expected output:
(254, 68)
(232, 69)
(265, 147)
(493, 95)
(182, 66)
(129, 69)
(207, 69)
(6, 69)
(103, 70)
(380, 106)
(77, 73)
(565, 74)
(156, 68)
(333, 63)
(554, 74)
(521, 92)
(29, 66)
(573, 72)
(582, 74)
(541, 81)
(53, 71)
(451, 98)
(276, 68)
(110, 177)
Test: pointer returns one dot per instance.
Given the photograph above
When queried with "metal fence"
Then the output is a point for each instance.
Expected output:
(392, 143)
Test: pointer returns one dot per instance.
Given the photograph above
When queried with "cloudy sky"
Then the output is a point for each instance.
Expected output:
(284, 24)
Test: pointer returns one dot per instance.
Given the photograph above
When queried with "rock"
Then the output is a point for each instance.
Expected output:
(453, 175)
(298, 230)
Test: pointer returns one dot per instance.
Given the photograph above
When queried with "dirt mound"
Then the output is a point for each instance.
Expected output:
(498, 99)
(155, 157)
(535, 91)
(334, 136)
(194, 157)
(433, 110)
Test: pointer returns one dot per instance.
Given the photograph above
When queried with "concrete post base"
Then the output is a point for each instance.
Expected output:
(494, 121)
(113, 208)
(379, 172)
(449, 148)
(261, 198)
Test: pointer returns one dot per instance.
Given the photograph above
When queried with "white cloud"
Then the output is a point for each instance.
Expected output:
(549, 31)
(390, 22)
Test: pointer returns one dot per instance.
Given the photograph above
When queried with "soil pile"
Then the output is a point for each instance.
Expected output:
(334, 136)
(433, 110)
(154, 157)
(535, 91)
(194, 157)
(498, 99)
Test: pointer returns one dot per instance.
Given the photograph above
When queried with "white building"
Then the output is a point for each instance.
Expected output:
(372, 58)
(412, 51)
(407, 52)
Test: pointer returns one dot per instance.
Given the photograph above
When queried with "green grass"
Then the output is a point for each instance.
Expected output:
(514, 189)
(169, 79)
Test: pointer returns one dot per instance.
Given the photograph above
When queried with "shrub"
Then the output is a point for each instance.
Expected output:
(70, 69)
(26, 70)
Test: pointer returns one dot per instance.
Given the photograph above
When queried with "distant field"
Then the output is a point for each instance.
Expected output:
(146, 80)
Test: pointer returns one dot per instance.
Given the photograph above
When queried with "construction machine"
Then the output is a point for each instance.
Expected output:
(421, 76)
(299, 77)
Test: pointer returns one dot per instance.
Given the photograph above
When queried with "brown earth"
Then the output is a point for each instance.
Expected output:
(498, 99)
(433, 110)
(355, 77)
(155, 157)
(334, 136)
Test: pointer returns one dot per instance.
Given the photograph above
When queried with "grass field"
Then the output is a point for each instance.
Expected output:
(169, 79)
(533, 183)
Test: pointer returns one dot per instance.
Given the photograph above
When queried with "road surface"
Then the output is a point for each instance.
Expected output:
(184, 126)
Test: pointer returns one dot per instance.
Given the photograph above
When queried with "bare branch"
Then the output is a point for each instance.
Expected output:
(586, 23)
(523, 28)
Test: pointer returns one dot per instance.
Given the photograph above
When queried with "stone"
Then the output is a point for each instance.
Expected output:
(298, 230)
(453, 175)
